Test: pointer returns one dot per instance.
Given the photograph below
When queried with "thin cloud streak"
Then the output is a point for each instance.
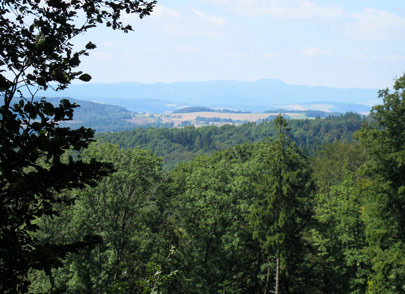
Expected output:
(313, 51)
(302, 9)
(218, 21)
(375, 25)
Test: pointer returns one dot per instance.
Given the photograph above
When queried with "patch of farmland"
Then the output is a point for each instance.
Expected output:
(142, 120)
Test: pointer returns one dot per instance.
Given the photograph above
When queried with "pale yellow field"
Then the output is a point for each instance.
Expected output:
(178, 118)
(142, 120)
(234, 116)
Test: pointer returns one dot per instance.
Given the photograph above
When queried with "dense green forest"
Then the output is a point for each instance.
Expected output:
(180, 144)
(261, 216)
(301, 206)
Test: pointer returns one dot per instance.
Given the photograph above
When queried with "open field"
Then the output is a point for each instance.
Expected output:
(237, 118)
(142, 120)
(199, 119)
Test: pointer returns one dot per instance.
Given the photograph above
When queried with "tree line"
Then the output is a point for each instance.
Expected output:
(181, 144)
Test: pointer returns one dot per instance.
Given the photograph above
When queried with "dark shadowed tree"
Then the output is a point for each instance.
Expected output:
(36, 51)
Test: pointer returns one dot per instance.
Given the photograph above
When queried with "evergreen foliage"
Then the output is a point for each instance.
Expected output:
(282, 210)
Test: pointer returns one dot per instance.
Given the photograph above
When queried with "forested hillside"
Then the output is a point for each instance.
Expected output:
(258, 217)
(98, 116)
(181, 144)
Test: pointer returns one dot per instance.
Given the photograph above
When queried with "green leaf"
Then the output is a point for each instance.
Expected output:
(90, 46)
(85, 77)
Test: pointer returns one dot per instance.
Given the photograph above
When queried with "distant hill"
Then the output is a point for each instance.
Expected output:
(193, 109)
(139, 105)
(89, 110)
(248, 96)
(98, 116)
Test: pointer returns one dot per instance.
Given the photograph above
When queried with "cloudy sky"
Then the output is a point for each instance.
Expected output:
(339, 43)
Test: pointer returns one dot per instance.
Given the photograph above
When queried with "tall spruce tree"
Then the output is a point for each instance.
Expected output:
(281, 214)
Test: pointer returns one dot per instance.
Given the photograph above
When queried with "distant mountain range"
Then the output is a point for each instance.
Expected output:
(245, 96)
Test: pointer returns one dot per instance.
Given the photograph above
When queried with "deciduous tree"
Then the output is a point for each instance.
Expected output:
(384, 206)
(36, 52)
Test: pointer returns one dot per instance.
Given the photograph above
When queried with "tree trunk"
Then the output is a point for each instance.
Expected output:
(277, 272)
(99, 266)
(51, 280)
(257, 271)
(266, 289)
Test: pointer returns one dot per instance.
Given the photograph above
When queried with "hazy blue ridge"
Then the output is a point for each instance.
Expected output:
(215, 93)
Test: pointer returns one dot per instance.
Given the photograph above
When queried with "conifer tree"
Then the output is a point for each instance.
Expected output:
(281, 214)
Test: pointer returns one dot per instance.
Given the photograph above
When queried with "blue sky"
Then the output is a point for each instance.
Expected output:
(357, 43)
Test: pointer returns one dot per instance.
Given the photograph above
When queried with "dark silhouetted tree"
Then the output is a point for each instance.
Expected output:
(36, 51)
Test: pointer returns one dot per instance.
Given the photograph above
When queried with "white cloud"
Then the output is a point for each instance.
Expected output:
(269, 55)
(218, 21)
(187, 49)
(102, 56)
(108, 45)
(375, 25)
(313, 51)
(360, 56)
(295, 9)
(183, 22)
(395, 57)
(236, 55)
(161, 11)
(381, 57)
(303, 10)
